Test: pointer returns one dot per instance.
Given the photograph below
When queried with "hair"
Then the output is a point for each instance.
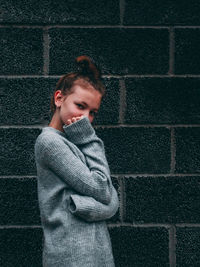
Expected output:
(87, 74)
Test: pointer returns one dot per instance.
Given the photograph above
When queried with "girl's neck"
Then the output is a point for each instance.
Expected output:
(56, 122)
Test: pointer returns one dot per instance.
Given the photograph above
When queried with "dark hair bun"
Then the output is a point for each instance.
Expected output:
(87, 68)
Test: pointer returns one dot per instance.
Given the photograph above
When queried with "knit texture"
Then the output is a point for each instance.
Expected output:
(76, 196)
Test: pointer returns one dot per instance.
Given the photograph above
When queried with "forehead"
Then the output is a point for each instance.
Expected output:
(87, 94)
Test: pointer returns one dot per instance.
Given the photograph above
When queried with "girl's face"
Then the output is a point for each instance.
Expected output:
(82, 101)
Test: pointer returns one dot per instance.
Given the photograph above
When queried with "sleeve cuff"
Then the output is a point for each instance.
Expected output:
(79, 206)
(79, 132)
(91, 210)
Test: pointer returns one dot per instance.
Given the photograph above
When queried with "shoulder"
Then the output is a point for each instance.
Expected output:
(47, 139)
(47, 145)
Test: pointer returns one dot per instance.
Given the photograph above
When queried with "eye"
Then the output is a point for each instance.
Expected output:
(80, 106)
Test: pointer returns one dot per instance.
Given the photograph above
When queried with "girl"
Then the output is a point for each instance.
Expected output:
(75, 191)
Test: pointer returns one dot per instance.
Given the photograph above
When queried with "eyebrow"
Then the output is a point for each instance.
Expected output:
(87, 105)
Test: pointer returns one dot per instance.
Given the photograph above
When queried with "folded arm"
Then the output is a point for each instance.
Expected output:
(91, 180)
(91, 210)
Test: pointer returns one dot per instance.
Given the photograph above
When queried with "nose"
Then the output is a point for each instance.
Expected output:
(86, 113)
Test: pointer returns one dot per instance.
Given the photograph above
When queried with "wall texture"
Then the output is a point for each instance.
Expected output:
(150, 121)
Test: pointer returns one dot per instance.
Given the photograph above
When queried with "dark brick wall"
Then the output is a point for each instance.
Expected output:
(150, 120)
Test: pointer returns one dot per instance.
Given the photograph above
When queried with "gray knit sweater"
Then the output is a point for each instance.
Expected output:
(75, 196)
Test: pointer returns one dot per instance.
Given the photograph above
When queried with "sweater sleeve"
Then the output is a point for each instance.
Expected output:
(91, 210)
(92, 180)
(83, 135)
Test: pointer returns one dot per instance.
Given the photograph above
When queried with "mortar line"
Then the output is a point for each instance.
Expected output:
(147, 125)
(122, 199)
(150, 225)
(19, 226)
(122, 10)
(155, 75)
(173, 151)
(122, 101)
(120, 125)
(125, 175)
(143, 225)
(172, 246)
(13, 25)
(187, 225)
(187, 27)
(46, 52)
(114, 76)
(18, 177)
(134, 175)
(87, 26)
(171, 51)
(32, 76)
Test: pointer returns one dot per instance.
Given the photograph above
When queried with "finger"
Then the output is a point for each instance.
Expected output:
(81, 117)
(78, 118)
(73, 119)
(69, 122)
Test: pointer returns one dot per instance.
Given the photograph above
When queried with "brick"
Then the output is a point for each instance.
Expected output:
(33, 101)
(26, 101)
(162, 100)
(162, 199)
(138, 246)
(187, 150)
(188, 247)
(17, 151)
(21, 51)
(187, 54)
(116, 51)
(60, 12)
(19, 202)
(21, 247)
(137, 150)
(109, 109)
(162, 13)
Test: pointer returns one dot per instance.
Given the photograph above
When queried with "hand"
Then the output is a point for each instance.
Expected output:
(74, 119)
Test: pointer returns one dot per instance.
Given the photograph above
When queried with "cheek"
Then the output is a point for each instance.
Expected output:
(69, 111)
(64, 113)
